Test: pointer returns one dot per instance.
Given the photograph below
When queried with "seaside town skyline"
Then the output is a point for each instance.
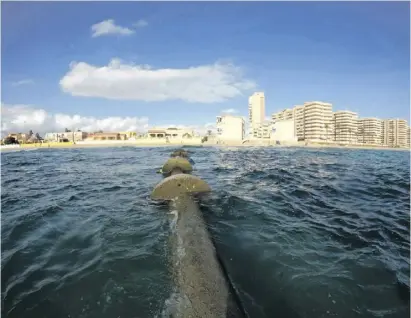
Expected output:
(314, 121)
(104, 79)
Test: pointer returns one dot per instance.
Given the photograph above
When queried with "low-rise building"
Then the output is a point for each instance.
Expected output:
(129, 134)
(20, 137)
(230, 128)
(170, 132)
(72, 136)
(106, 136)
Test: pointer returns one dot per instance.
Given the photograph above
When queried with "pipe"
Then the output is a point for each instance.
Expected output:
(204, 289)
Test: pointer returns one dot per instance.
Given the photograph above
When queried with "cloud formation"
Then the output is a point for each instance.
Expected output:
(108, 27)
(120, 81)
(22, 118)
(22, 82)
(140, 24)
(229, 111)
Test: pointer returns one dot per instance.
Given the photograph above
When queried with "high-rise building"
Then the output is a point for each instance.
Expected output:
(370, 131)
(312, 121)
(395, 132)
(264, 130)
(285, 114)
(230, 128)
(256, 112)
(345, 126)
(318, 121)
(298, 114)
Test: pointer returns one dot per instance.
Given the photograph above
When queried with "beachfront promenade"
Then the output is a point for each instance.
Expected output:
(190, 142)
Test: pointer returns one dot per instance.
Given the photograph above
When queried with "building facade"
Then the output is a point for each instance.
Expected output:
(230, 128)
(72, 136)
(264, 130)
(284, 130)
(20, 137)
(256, 112)
(170, 132)
(370, 131)
(345, 126)
(101, 136)
(285, 114)
(394, 132)
(318, 121)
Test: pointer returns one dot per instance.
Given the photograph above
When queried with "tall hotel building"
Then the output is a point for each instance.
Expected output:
(318, 121)
(345, 126)
(394, 132)
(370, 131)
(312, 121)
(256, 113)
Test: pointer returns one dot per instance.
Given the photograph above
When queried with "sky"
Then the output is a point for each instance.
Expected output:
(132, 65)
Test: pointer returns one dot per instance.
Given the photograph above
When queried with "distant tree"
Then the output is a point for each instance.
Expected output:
(326, 131)
(30, 133)
(209, 132)
(10, 141)
(67, 130)
(38, 136)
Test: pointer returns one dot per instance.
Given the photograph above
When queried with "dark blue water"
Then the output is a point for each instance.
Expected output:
(302, 232)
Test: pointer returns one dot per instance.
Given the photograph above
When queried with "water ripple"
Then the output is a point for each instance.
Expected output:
(302, 232)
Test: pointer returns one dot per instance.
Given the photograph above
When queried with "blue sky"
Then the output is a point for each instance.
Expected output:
(355, 55)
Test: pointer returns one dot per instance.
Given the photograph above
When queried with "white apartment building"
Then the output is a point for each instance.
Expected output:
(284, 130)
(296, 114)
(370, 131)
(285, 114)
(345, 126)
(318, 121)
(408, 136)
(264, 130)
(230, 128)
(256, 112)
(394, 132)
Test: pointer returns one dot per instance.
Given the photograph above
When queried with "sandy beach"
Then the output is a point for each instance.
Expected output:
(146, 144)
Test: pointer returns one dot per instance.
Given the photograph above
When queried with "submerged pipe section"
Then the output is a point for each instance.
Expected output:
(203, 287)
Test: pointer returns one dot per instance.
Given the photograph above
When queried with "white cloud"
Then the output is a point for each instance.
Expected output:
(229, 111)
(120, 81)
(140, 24)
(22, 118)
(22, 82)
(108, 27)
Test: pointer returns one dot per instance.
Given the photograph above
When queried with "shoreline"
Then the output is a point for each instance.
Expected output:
(179, 145)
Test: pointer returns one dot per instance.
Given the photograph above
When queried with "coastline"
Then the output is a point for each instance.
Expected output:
(137, 144)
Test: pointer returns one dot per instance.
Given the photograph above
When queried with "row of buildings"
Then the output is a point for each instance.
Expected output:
(316, 121)
(76, 136)
(313, 121)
